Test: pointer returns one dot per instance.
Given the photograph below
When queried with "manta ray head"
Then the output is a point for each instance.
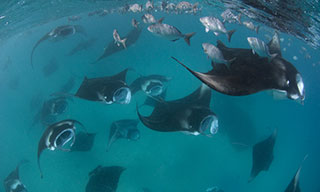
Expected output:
(296, 89)
(66, 31)
(122, 95)
(292, 83)
(153, 87)
(203, 121)
(63, 138)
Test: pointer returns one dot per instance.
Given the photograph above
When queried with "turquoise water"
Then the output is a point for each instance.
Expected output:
(162, 162)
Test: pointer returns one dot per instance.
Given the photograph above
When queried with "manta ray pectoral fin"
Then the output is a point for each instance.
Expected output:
(45, 37)
(205, 78)
(122, 75)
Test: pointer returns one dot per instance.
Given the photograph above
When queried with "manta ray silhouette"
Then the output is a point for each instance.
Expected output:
(12, 182)
(57, 136)
(249, 73)
(125, 128)
(190, 114)
(104, 179)
(112, 48)
(57, 34)
(262, 155)
(109, 89)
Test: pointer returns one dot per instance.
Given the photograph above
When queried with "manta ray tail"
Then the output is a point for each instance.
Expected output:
(45, 37)
(188, 36)
(229, 34)
(41, 173)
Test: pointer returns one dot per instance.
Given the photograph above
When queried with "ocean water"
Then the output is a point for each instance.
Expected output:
(160, 161)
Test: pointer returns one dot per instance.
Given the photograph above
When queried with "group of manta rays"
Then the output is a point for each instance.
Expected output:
(247, 74)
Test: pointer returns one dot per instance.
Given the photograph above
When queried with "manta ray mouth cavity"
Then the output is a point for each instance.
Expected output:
(64, 137)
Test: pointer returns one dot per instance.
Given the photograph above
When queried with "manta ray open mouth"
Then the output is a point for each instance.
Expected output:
(209, 123)
(122, 95)
(67, 31)
(59, 107)
(64, 137)
(154, 88)
(133, 135)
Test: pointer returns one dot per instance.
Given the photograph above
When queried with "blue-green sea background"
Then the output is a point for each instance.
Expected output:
(162, 162)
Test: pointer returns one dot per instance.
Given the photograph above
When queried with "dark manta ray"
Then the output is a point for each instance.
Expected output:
(84, 141)
(126, 129)
(190, 114)
(50, 110)
(109, 89)
(58, 33)
(262, 155)
(248, 73)
(112, 48)
(104, 179)
(56, 136)
(152, 84)
(12, 182)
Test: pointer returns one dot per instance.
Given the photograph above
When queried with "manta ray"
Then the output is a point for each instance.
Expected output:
(262, 155)
(190, 114)
(104, 179)
(249, 73)
(108, 89)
